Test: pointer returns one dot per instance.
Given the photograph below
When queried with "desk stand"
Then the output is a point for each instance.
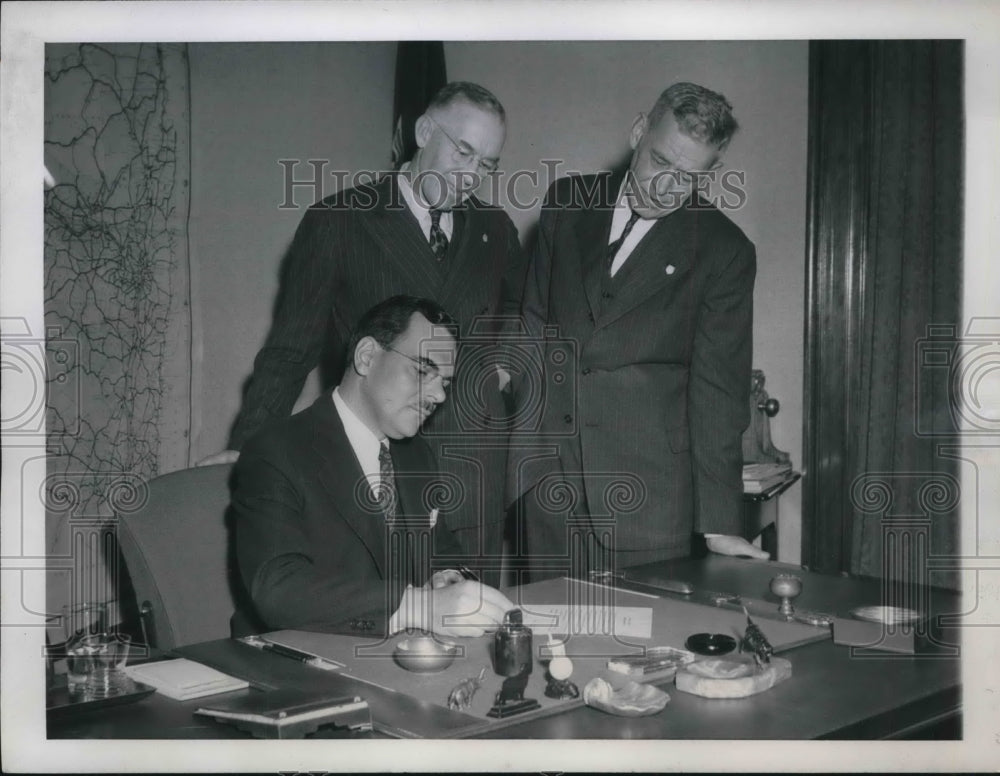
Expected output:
(760, 514)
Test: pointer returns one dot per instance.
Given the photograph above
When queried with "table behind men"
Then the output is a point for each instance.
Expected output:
(830, 694)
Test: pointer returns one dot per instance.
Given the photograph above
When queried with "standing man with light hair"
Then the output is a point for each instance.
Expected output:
(649, 286)
(422, 232)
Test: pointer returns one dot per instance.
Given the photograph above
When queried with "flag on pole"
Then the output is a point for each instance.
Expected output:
(420, 73)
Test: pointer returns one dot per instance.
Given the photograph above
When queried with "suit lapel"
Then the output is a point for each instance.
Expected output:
(592, 230)
(409, 543)
(662, 257)
(397, 231)
(466, 251)
(410, 480)
(342, 478)
(592, 248)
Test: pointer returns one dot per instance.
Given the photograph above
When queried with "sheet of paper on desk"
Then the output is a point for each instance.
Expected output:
(576, 620)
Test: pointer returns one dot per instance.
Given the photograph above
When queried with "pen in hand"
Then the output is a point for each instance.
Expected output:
(468, 573)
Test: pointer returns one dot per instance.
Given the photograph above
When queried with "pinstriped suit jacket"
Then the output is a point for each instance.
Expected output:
(357, 248)
(656, 371)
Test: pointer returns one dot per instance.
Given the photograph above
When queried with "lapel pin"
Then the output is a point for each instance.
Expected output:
(485, 238)
(669, 269)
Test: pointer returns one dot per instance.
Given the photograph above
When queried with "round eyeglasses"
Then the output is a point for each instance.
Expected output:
(465, 155)
(426, 370)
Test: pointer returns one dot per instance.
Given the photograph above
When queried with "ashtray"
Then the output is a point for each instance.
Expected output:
(711, 643)
(886, 615)
(631, 700)
(425, 654)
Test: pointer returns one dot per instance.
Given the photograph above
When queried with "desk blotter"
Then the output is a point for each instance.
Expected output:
(673, 621)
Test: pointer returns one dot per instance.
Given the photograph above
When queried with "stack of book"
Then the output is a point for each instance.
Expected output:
(761, 477)
(290, 712)
(183, 679)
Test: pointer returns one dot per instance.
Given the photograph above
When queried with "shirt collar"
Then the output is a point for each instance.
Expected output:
(363, 441)
(422, 213)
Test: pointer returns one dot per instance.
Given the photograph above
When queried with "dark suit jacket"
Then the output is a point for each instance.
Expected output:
(654, 394)
(300, 496)
(359, 247)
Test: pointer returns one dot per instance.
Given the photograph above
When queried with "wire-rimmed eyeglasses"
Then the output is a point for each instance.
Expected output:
(465, 154)
(427, 371)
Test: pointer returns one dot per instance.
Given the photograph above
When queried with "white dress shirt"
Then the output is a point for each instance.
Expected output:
(366, 445)
(618, 221)
(422, 213)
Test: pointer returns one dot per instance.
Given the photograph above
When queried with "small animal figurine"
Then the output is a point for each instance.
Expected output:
(755, 642)
(461, 696)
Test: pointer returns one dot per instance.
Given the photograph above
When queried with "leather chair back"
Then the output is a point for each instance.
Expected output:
(180, 558)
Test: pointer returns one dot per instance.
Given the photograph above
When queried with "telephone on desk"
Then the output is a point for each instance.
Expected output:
(757, 444)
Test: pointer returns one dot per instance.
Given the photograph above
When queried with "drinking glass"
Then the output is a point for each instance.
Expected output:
(84, 619)
(79, 622)
(108, 654)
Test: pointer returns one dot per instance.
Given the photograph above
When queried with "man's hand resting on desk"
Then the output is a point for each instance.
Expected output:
(462, 607)
(226, 456)
(733, 545)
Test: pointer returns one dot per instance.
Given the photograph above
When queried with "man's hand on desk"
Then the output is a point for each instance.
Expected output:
(733, 545)
(451, 607)
(226, 456)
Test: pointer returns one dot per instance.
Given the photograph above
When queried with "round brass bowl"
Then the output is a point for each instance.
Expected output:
(424, 654)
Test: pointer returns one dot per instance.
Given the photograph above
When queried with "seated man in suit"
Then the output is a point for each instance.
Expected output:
(332, 525)
(419, 231)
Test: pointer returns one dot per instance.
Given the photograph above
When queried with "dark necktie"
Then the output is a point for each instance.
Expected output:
(613, 247)
(437, 238)
(387, 482)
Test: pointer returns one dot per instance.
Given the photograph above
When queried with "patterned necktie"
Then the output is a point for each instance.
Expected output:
(437, 238)
(387, 482)
(613, 247)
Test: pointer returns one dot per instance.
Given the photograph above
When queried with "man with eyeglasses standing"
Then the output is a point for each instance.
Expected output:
(423, 232)
(333, 529)
(653, 286)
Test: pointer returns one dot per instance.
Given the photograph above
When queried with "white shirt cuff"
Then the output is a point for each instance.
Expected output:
(411, 612)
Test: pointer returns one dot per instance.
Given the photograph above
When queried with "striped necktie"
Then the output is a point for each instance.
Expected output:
(617, 244)
(437, 238)
(387, 482)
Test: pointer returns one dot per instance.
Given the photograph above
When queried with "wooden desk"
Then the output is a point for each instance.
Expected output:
(831, 694)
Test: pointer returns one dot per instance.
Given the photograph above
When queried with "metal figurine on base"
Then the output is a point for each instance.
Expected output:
(512, 657)
(755, 642)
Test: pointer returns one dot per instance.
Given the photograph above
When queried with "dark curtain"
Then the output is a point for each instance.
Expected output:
(420, 72)
(884, 287)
